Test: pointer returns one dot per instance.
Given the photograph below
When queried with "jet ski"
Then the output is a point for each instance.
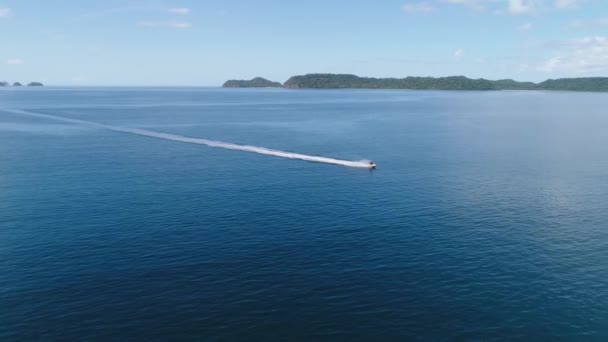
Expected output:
(372, 165)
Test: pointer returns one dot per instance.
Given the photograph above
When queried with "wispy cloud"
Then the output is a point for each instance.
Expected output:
(5, 12)
(459, 53)
(580, 56)
(131, 7)
(523, 6)
(566, 3)
(169, 24)
(512, 6)
(15, 61)
(595, 23)
(525, 27)
(472, 4)
(533, 6)
(417, 7)
(179, 10)
(498, 7)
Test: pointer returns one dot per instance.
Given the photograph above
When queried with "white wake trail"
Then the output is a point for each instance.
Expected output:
(211, 143)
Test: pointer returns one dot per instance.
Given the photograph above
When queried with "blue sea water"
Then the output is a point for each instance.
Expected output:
(487, 218)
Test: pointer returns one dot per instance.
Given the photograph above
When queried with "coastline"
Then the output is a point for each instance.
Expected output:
(450, 83)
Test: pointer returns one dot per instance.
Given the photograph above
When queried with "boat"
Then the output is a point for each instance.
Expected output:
(372, 165)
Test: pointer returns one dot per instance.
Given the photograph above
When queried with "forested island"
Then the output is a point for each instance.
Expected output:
(257, 82)
(346, 81)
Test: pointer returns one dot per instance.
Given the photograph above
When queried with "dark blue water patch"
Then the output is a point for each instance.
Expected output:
(485, 220)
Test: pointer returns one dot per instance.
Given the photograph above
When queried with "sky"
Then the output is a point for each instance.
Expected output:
(205, 42)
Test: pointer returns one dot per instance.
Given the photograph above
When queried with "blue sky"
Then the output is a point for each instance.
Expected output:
(187, 42)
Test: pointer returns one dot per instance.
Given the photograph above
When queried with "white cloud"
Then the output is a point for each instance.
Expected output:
(581, 56)
(474, 4)
(459, 53)
(423, 7)
(525, 27)
(589, 23)
(566, 3)
(14, 61)
(516, 7)
(181, 25)
(5, 12)
(136, 7)
(169, 24)
(523, 6)
(179, 10)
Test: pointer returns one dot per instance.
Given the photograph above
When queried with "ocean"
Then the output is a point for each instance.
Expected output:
(486, 218)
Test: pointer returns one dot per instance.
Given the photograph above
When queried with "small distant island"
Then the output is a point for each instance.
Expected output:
(18, 84)
(257, 82)
(347, 81)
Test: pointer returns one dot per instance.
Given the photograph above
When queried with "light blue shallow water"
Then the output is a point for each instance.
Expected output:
(486, 219)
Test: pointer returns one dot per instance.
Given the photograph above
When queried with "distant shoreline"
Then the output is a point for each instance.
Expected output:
(19, 84)
(154, 87)
(462, 83)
